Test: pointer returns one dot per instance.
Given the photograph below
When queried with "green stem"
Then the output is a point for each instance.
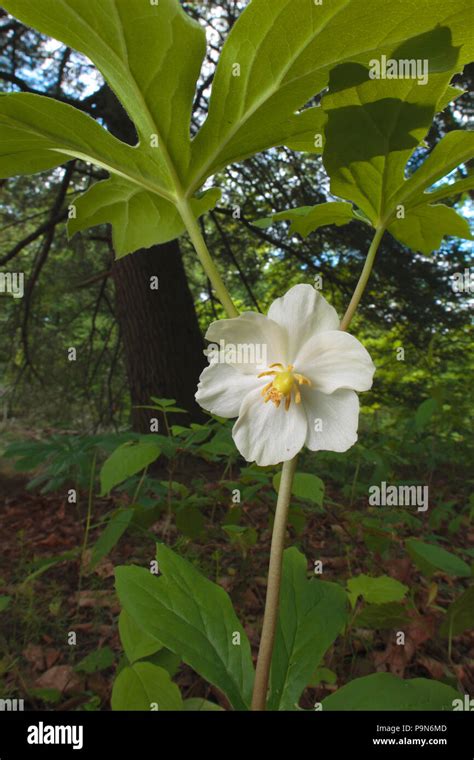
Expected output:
(90, 502)
(270, 616)
(139, 486)
(205, 258)
(364, 278)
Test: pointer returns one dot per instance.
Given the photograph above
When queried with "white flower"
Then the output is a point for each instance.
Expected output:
(304, 396)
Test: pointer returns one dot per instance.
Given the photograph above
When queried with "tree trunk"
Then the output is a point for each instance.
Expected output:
(162, 341)
(161, 336)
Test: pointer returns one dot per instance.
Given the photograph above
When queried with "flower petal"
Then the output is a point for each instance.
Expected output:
(222, 389)
(335, 359)
(332, 419)
(267, 434)
(258, 341)
(302, 312)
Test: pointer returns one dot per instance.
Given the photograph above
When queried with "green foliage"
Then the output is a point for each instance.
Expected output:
(242, 536)
(307, 219)
(113, 532)
(197, 705)
(4, 602)
(127, 460)
(49, 696)
(100, 659)
(388, 615)
(379, 590)
(305, 486)
(144, 686)
(459, 615)
(383, 691)
(193, 618)
(136, 644)
(312, 614)
(389, 119)
(323, 675)
(425, 412)
(430, 559)
(60, 460)
(284, 58)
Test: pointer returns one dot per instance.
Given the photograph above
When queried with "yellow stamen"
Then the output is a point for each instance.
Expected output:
(285, 383)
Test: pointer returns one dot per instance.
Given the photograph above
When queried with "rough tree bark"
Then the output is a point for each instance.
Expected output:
(161, 337)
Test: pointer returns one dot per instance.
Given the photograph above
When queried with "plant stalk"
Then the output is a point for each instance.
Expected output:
(90, 503)
(363, 280)
(272, 601)
(205, 258)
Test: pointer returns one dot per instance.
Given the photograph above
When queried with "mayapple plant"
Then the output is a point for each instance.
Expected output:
(277, 58)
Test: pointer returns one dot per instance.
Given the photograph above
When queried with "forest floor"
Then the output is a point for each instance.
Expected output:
(48, 601)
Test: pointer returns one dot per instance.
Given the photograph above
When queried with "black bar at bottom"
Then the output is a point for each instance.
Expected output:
(136, 735)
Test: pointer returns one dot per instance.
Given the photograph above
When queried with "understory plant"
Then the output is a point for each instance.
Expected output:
(290, 378)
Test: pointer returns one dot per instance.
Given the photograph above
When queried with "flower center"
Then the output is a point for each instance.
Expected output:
(284, 383)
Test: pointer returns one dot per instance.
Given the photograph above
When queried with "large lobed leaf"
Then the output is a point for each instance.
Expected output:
(389, 119)
(192, 617)
(312, 614)
(151, 56)
(373, 128)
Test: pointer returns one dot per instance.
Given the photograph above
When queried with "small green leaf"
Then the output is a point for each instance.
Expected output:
(305, 486)
(192, 617)
(4, 602)
(136, 643)
(459, 615)
(195, 704)
(113, 532)
(375, 590)
(312, 614)
(307, 219)
(166, 659)
(163, 402)
(144, 686)
(384, 691)
(189, 521)
(323, 675)
(50, 696)
(425, 412)
(430, 559)
(127, 460)
(382, 616)
(100, 659)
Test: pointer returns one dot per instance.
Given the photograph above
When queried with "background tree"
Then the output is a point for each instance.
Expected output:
(116, 320)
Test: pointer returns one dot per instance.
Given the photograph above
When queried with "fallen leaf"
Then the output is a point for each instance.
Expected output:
(35, 655)
(435, 668)
(61, 677)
